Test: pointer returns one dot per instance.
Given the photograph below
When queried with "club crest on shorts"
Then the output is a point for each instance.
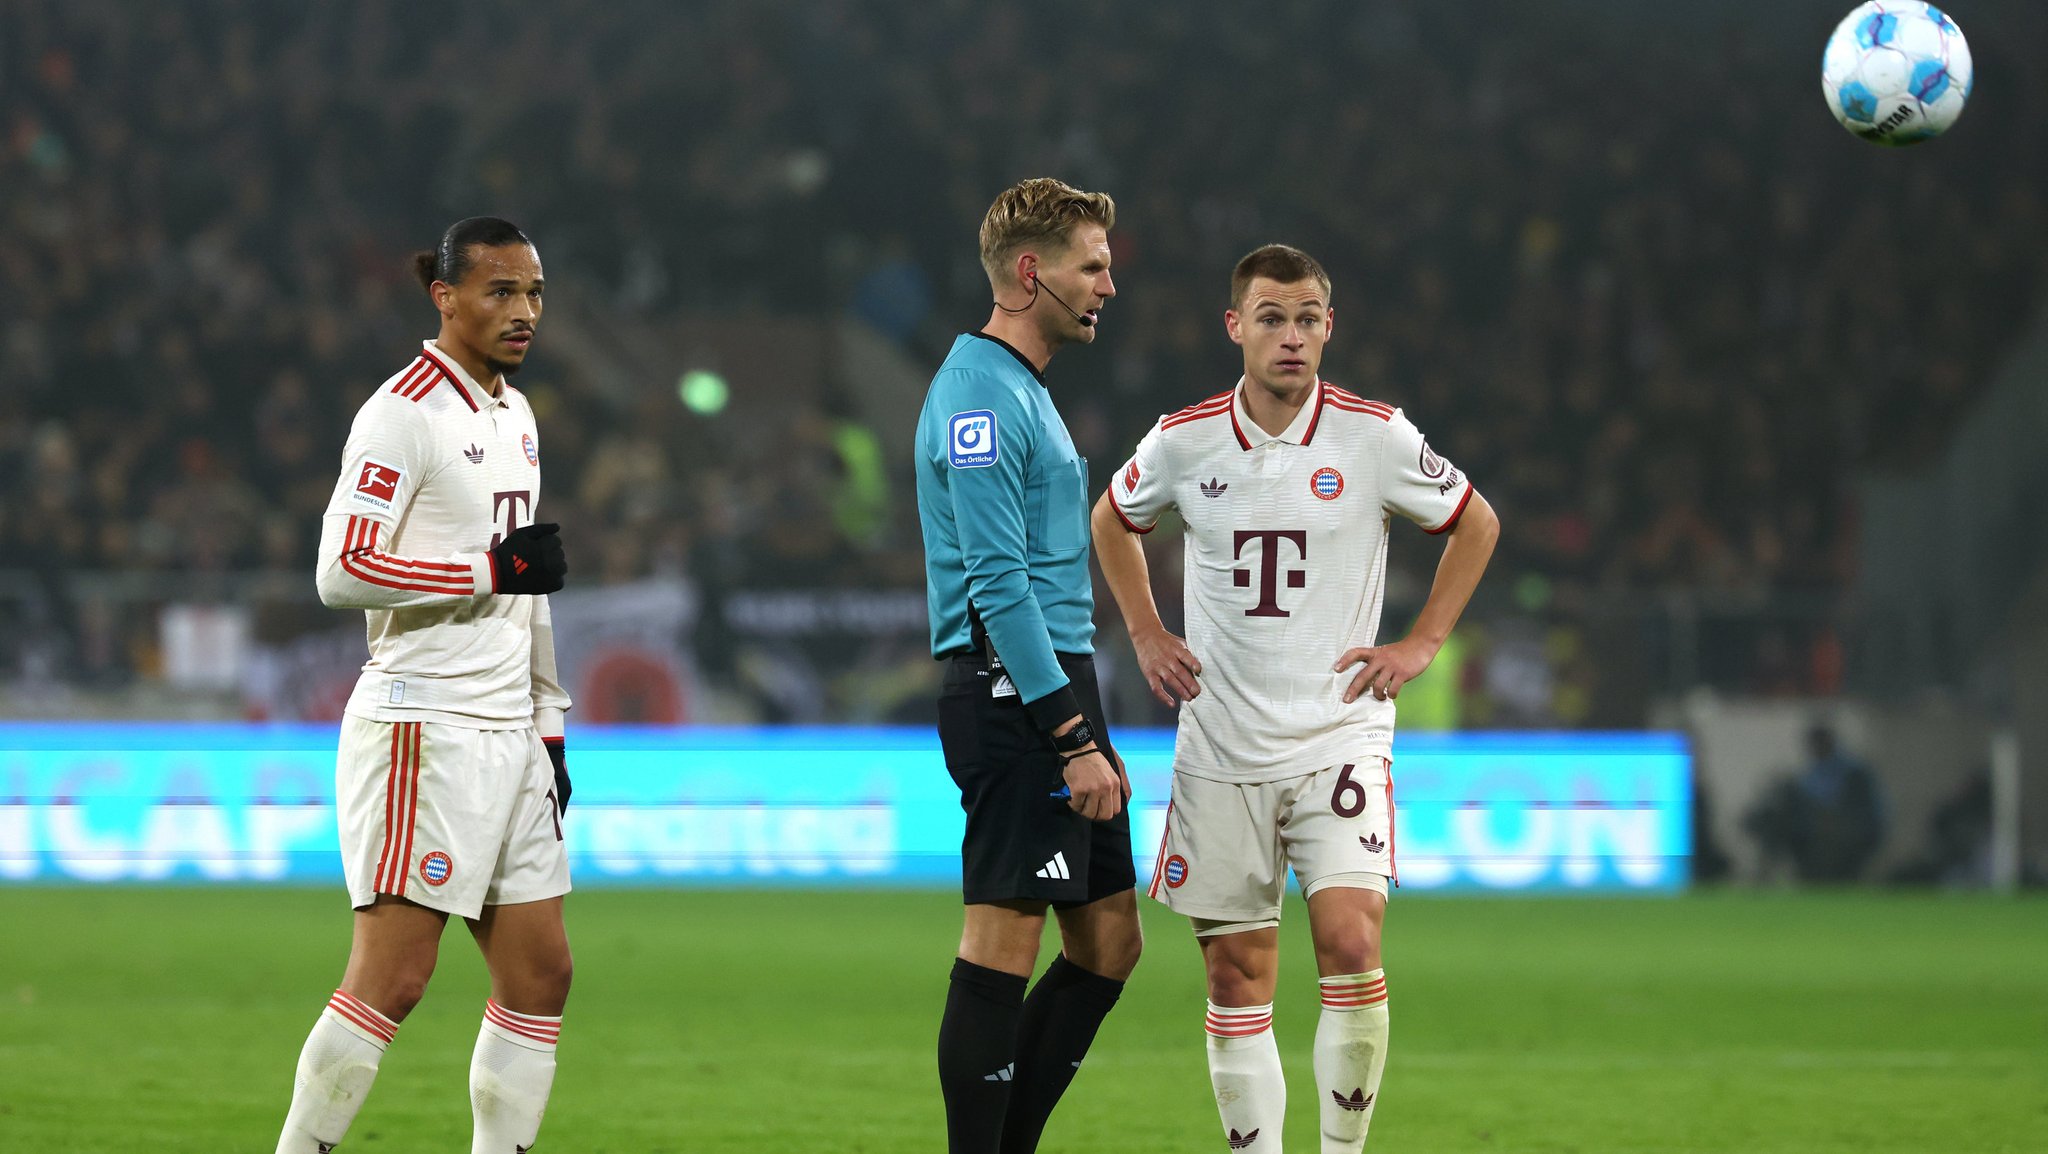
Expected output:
(1326, 483)
(1176, 872)
(971, 439)
(435, 868)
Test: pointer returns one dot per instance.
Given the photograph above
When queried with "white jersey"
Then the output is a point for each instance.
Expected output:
(435, 473)
(1286, 565)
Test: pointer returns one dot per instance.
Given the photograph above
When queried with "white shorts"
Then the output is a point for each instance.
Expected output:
(1225, 853)
(450, 818)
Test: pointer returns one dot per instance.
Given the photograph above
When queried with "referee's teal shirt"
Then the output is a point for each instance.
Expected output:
(1002, 498)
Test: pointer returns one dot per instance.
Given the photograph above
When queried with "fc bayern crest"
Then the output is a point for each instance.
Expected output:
(1176, 872)
(532, 450)
(1326, 483)
(435, 868)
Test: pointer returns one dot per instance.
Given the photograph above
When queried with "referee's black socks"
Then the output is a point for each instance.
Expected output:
(978, 1055)
(1053, 1034)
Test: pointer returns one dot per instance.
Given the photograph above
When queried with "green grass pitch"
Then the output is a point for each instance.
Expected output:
(771, 1022)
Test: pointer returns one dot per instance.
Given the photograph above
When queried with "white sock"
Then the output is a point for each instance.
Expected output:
(509, 1078)
(336, 1068)
(1351, 1053)
(1244, 1069)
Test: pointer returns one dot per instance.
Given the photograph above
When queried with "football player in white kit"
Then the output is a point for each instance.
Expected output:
(450, 781)
(1285, 485)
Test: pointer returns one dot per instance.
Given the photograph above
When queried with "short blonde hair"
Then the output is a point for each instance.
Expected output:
(1035, 213)
(1280, 263)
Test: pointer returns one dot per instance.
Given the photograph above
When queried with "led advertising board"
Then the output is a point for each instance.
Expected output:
(805, 806)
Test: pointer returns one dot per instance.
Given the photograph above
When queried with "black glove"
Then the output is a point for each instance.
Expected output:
(529, 560)
(559, 755)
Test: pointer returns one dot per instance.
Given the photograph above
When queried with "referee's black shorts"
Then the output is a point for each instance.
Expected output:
(1023, 841)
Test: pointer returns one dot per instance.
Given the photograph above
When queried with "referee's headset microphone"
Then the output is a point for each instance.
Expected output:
(1036, 284)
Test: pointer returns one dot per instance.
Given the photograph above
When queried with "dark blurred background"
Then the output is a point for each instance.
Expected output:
(1759, 404)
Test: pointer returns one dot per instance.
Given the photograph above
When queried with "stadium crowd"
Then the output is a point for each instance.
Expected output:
(1662, 316)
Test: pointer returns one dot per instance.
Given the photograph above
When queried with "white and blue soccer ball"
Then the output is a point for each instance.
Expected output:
(1897, 72)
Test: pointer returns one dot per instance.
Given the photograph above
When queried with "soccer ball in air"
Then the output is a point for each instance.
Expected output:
(1897, 72)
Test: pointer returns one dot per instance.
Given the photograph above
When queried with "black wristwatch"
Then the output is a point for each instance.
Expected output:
(1076, 739)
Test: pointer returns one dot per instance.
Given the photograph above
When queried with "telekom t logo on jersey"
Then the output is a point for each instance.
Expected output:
(1269, 567)
(516, 504)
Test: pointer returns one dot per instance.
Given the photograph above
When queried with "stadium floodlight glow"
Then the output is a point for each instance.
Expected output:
(703, 391)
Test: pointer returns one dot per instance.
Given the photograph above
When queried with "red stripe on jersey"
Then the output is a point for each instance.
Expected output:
(453, 380)
(1195, 414)
(1455, 513)
(350, 1001)
(1217, 401)
(390, 814)
(400, 802)
(412, 805)
(424, 567)
(1370, 994)
(538, 1029)
(360, 559)
(364, 567)
(1380, 411)
(1376, 999)
(1242, 443)
(1322, 397)
(1338, 393)
(1119, 511)
(362, 1015)
(1159, 863)
(1238, 1027)
(417, 379)
(1354, 1001)
(1393, 862)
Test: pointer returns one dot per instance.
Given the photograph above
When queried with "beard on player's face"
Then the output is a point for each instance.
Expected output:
(486, 329)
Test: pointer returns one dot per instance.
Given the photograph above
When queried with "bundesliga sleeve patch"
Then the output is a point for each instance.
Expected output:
(377, 485)
(971, 439)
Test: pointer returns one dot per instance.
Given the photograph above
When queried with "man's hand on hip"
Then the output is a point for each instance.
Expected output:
(1170, 667)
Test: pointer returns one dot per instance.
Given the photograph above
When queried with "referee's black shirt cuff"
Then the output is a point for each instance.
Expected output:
(1054, 709)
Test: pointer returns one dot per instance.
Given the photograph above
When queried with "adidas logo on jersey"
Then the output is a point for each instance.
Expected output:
(475, 455)
(1056, 869)
(1359, 1099)
(1214, 488)
(1009, 1072)
(1372, 843)
(1240, 1141)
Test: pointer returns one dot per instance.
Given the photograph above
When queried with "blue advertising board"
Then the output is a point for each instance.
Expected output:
(805, 806)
